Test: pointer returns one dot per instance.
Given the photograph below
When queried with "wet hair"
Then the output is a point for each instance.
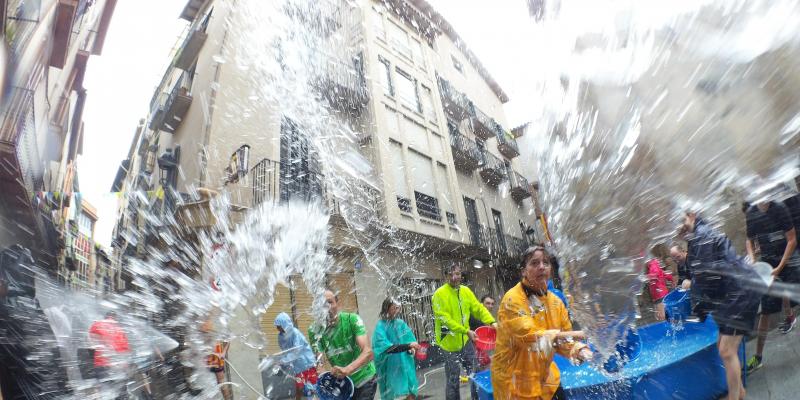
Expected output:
(486, 296)
(530, 252)
(387, 303)
(745, 206)
(449, 267)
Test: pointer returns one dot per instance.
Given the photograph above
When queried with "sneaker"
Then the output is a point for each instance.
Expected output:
(788, 324)
(753, 364)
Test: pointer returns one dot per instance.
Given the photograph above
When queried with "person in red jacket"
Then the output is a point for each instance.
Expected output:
(657, 284)
(110, 343)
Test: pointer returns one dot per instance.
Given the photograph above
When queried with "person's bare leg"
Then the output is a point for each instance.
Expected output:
(728, 351)
(763, 327)
(787, 308)
(224, 388)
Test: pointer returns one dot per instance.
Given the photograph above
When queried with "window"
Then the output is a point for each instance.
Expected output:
(424, 186)
(457, 65)
(399, 40)
(427, 206)
(427, 104)
(451, 218)
(407, 91)
(443, 186)
(392, 123)
(386, 77)
(437, 145)
(416, 134)
(377, 25)
(399, 174)
(416, 49)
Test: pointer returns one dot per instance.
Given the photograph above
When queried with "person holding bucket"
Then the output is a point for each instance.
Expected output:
(344, 342)
(533, 325)
(394, 345)
(452, 305)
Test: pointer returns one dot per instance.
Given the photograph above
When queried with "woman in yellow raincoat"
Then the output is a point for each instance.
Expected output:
(532, 325)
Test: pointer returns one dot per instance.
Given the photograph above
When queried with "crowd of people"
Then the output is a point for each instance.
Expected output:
(532, 322)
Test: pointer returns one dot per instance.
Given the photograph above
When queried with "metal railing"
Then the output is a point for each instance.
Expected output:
(269, 186)
(464, 145)
(492, 162)
(515, 246)
(18, 129)
(483, 125)
(505, 138)
(343, 80)
(22, 17)
(456, 103)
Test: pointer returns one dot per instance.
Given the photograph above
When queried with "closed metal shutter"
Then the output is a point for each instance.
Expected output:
(303, 302)
(282, 303)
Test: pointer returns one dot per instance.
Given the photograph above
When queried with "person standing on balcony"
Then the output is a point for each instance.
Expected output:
(453, 304)
(534, 325)
(345, 343)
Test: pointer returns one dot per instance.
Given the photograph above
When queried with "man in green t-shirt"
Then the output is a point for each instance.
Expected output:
(346, 346)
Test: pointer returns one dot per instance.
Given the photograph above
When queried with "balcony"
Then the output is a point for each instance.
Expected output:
(520, 188)
(323, 17)
(342, 82)
(173, 109)
(268, 187)
(514, 246)
(493, 170)
(483, 125)
(62, 31)
(456, 104)
(466, 154)
(191, 46)
(191, 9)
(506, 143)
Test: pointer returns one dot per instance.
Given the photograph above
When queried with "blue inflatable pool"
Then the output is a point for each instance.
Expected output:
(672, 364)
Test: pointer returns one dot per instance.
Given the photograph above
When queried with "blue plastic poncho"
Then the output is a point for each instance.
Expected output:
(298, 360)
(397, 375)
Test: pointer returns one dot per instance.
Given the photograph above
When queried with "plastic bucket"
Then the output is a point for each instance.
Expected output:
(677, 305)
(485, 338)
(422, 353)
(331, 388)
(625, 351)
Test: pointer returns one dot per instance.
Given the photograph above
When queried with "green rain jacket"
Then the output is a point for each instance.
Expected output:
(451, 310)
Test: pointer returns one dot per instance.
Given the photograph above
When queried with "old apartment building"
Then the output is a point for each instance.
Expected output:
(429, 119)
(48, 45)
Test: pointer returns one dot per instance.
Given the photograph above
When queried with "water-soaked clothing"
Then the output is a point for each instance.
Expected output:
(721, 283)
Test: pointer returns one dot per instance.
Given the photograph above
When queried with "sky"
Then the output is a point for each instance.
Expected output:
(142, 33)
(119, 84)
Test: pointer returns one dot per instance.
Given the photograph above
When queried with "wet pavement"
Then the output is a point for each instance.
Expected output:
(777, 379)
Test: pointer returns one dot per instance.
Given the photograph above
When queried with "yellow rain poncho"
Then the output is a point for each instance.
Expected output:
(522, 366)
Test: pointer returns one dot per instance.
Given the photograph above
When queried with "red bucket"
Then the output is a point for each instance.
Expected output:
(422, 353)
(485, 338)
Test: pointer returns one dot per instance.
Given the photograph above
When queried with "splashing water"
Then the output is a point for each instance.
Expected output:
(665, 108)
(656, 108)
